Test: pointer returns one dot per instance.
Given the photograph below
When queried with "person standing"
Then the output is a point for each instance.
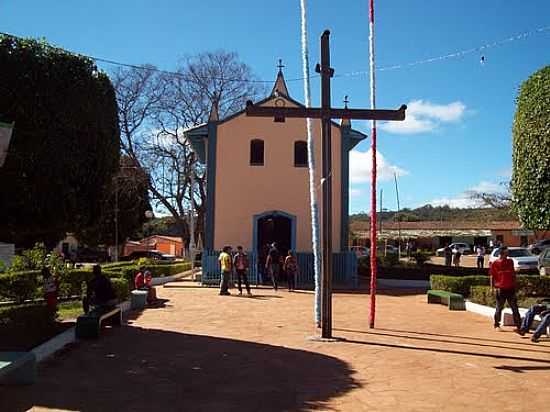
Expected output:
(480, 252)
(240, 263)
(226, 267)
(291, 269)
(456, 256)
(448, 253)
(50, 288)
(503, 279)
(272, 264)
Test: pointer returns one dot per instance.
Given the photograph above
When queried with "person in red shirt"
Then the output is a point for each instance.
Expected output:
(51, 287)
(139, 280)
(503, 279)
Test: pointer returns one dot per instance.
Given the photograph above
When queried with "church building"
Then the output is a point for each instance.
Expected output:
(258, 184)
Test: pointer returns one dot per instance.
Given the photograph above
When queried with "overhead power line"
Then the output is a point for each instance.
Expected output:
(358, 73)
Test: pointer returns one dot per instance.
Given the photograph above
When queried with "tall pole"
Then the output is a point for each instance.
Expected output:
(311, 168)
(373, 268)
(116, 218)
(192, 215)
(398, 220)
(380, 212)
(326, 275)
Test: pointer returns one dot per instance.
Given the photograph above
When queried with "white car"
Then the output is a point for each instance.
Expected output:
(463, 248)
(360, 251)
(524, 261)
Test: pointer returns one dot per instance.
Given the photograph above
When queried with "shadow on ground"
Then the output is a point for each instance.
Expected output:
(136, 369)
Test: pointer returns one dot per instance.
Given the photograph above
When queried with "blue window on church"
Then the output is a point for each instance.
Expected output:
(257, 152)
(300, 154)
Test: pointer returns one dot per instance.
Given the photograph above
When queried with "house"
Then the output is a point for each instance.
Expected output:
(435, 234)
(170, 245)
(258, 180)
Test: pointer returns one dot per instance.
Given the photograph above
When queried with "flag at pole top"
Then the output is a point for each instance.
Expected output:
(6, 130)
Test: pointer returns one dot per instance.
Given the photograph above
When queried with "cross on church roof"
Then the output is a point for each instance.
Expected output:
(280, 66)
(346, 101)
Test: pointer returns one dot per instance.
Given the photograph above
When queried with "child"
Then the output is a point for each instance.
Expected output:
(291, 269)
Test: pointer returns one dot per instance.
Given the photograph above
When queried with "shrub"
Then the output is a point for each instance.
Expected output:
(457, 284)
(121, 287)
(117, 265)
(30, 259)
(391, 259)
(26, 317)
(19, 286)
(482, 295)
(71, 282)
(420, 257)
(144, 262)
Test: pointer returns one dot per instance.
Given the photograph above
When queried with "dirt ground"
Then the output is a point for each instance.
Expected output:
(468, 261)
(204, 352)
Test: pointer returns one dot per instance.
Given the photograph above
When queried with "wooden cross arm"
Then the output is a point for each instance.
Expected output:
(317, 113)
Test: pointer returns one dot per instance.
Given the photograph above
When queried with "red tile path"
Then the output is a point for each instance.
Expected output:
(203, 352)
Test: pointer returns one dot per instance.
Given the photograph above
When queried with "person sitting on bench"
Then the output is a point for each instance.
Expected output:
(142, 281)
(543, 310)
(99, 291)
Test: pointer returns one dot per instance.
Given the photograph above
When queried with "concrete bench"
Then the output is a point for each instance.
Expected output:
(508, 319)
(17, 368)
(454, 301)
(138, 299)
(89, 324)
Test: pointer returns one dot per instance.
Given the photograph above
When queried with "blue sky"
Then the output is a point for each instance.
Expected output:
(458, 137)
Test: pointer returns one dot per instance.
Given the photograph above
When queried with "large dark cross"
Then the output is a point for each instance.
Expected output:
(326, 114)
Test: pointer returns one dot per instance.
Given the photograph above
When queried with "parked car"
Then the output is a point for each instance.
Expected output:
(150, 254)
(91, 255)
(524, 260)
(539, 246)
(360, 251)
(390, 249)
(464, 248)
(544, 262)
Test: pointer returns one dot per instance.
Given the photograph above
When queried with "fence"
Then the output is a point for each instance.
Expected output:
(344, 269)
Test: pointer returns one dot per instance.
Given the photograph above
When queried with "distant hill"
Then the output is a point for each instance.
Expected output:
(440, 213)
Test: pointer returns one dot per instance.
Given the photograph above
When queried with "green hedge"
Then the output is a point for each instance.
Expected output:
(483, 295)
(20, 286)
(528, 285)
(26, 317)
(457, 284)
(122, 288)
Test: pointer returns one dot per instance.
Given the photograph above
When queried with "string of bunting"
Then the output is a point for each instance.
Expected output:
(453, 55)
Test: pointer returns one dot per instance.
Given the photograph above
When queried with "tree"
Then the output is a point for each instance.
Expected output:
(65, 144)
(156, 107)
(128, 193)
(531, 152)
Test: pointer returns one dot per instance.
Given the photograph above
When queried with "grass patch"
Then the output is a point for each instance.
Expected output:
(69, 310)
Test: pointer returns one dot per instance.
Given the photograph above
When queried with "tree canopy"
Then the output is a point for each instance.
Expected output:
(65, 144)
(531, 152)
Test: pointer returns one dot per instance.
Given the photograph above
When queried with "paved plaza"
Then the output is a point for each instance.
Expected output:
(204, 352)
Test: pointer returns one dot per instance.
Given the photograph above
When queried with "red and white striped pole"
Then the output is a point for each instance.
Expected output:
(373, 268)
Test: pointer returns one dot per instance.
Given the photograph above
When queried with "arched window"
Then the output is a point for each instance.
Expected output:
(300, 154)
(257, 152)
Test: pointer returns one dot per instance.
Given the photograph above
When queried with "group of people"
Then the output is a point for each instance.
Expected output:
(239, 264)
(453, 256)
(503, 280)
